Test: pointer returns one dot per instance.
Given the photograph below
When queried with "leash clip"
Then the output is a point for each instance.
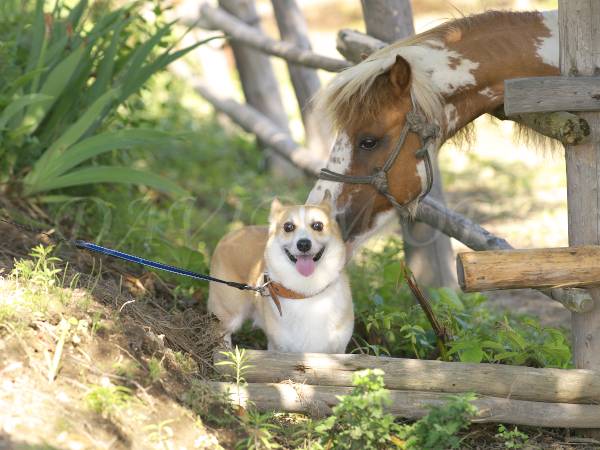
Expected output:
(263, 289)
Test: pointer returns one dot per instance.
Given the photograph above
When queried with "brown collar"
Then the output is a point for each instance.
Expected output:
(277, 290)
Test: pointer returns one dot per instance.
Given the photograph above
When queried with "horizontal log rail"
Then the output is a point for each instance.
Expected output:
(546, 94)
(530, 268)
(494, 380)
(218, 18)
(319, 401)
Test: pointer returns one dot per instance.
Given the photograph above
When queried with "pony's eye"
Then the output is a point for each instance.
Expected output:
(288, 227)
(317, 226)
(367, 143)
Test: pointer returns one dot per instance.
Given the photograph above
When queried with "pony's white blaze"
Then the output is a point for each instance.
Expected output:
(422, 174)
(547, 48)
(339, 161)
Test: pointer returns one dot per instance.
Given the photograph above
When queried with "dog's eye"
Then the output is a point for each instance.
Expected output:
(317, 226)
(368, 143)
(288, 227)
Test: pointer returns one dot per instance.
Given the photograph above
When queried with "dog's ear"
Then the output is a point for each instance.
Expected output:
(327, 202)
(276, 207)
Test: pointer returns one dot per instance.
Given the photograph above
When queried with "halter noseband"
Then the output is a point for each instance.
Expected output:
(415, 123)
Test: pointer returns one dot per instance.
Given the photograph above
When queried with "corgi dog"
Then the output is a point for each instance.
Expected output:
(307, 306)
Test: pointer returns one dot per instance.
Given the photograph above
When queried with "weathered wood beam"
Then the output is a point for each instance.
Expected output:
(496, 380)
(548, 94)
(531, 268)
(239, 31)
(305, 80)
(579, 31)
(259, 83)
(388, 20)
(319, 401)
(565, 127)
(355, 46)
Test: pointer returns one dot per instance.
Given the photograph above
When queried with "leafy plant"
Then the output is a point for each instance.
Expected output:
(360, 421)
(388, 321)
(155, 369)
(106, 400)
(438, 430)
(41, 270)
(238, 360)
(260, 431)
(69, 78)
(511, 438)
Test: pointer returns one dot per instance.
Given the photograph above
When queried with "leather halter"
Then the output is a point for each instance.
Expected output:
(415, 123)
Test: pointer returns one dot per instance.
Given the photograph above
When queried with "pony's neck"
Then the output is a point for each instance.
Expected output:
(478, 54)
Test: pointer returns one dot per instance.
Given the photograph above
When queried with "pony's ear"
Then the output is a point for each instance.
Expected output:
(400, 75)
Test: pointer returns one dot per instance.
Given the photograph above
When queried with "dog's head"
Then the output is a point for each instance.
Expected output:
(305, 251)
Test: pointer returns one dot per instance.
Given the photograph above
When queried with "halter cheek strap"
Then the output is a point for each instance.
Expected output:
(415, 123)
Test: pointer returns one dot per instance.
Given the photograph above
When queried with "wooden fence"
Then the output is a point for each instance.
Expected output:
(561, 401)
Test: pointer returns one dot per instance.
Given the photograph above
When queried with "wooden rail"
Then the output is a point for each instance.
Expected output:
(531, 268)
(495, 380)
(238, 30)
(318, 401)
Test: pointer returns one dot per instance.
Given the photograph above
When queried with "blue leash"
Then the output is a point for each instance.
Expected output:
(83, 245)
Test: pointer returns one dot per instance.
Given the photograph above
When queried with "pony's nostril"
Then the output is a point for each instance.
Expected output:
(304, 245)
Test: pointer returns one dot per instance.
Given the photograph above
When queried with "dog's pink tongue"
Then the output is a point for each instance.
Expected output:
(305, 265)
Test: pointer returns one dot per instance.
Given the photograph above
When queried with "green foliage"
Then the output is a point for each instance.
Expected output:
(106, 400)
(512, 438)
(155, 369)
(40, 270)
(390, 322)
(438, 430)
(259, 431)
(359, 421)
(238, 360)
(67, 77)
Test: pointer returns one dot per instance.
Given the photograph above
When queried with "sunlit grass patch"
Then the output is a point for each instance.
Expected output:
(106, 400)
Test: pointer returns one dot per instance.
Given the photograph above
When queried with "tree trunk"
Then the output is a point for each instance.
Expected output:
(292, 28)
(428, 252)
(259, 84)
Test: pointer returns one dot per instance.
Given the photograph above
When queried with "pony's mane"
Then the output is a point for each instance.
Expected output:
(357, 93)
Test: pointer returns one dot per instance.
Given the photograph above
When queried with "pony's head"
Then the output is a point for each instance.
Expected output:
(369, 106)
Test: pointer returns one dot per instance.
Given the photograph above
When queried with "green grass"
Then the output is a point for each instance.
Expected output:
(106, 400)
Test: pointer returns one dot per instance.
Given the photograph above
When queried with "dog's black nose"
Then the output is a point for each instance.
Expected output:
(304, 245)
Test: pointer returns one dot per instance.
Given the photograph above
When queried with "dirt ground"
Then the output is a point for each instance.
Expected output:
(113, 341)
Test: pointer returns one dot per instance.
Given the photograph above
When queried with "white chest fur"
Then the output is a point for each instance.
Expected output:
(320, 324)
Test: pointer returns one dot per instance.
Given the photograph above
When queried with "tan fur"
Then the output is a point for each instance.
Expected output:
(244, 255)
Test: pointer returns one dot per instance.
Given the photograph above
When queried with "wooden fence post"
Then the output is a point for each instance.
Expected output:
(579, 24)
(259, 84)
(428, 252)
(306, 83)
